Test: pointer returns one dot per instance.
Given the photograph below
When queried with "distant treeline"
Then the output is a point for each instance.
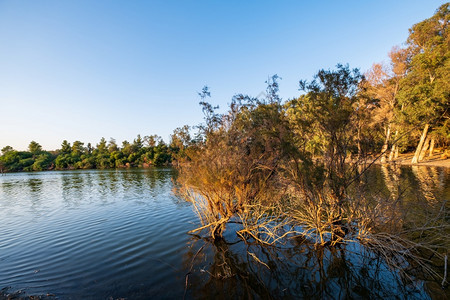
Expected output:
(142, 152)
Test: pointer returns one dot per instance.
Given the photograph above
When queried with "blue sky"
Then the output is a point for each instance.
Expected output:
(82, 70)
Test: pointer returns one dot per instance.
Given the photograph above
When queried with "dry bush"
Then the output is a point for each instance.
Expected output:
(411, 237)
(233, 172)
(267, 225)
(250, 168)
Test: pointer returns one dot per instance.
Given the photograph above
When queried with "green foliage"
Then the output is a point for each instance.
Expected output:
(43, 162)
(63, 161)
(65, 147)
(34, 147)
(17, 161)
(7, 149)
(237, 164)
(162, 156)
(76, 156)
(311, 149)
(180, 140)
(77, 148)
(425, 91)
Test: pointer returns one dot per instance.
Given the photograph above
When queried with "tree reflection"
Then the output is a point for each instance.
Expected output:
(391, 175)
(72, 187)
(401, 254)
(430, 181)
(222, 270)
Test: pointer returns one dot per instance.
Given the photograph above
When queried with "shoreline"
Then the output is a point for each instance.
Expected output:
(435, 160)
(403, 159)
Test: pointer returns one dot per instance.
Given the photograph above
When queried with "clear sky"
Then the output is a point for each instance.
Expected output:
(82, 70)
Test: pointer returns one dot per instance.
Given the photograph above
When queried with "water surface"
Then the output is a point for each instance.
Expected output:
(104, 234)
(93, 234)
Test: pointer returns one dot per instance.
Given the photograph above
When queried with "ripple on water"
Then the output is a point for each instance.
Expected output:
(91, 233)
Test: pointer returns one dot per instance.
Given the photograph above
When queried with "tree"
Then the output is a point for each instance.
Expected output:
(63, 161)
(232, 171)
(112, 145)
(425, 90)
(102, 156)
(7, 149)
(34, 147)
(89, 148)
(43, 162)
(65, 147)
(180, 139)
(329, 107)
(78, 148)
(383, 84)
(101, 146)
(152, 140)
(161, 155)
(212, 119)
(138, 143)
(332, 109)
(126, 148)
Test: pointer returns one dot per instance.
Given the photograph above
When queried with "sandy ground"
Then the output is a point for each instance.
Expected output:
(435, 160)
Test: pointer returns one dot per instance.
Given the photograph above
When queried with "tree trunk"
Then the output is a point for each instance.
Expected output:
(385, 146)
(431, 147)
(394, 147)
(359, 143)
(391, 154)
(415, 159)
(424, 149)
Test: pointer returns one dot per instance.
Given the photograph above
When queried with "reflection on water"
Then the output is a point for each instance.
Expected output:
(122, 233)
(430, 182)
(92, 234)
(293, 271)
(392, 175)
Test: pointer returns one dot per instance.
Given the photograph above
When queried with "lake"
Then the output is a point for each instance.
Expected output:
(110, 234)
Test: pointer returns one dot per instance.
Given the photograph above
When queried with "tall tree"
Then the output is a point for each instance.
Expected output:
(383, 84)
(34, 147)
(65, 147)
(138, 143)
(180, 139)
(78, 148)
(152, 140)
(329, 105)
(7, 149)
(112, 145)
(101, 146)
(425, 91)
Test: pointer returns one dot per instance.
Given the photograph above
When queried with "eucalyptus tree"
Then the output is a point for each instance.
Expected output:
(180, 139)
(383, 85)
(425, 91)
(152, 140)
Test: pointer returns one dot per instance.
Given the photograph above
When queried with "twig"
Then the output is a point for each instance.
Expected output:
(190, 270)
(258, 260)
(445, 271)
